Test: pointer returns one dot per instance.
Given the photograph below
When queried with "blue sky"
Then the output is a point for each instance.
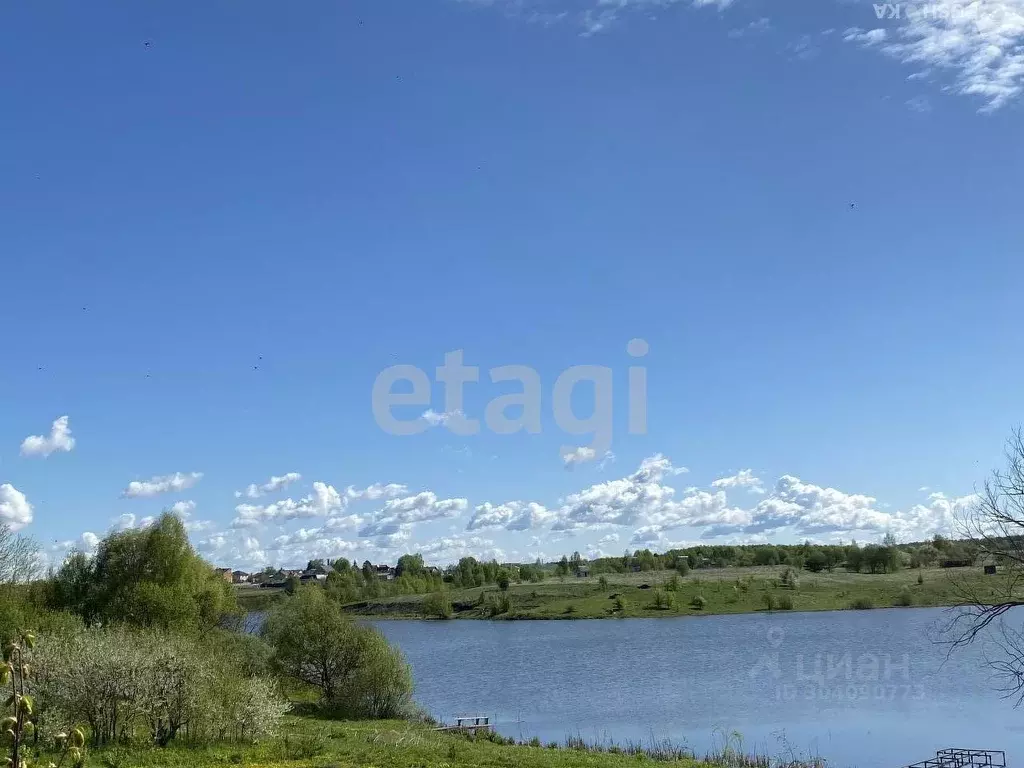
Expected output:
(220, 224)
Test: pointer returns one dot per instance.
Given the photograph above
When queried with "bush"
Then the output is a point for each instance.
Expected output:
(356, 672)
(619, 605)
(683, 566)
(662, 601)
(117, 681)
(673, 583)
(785, 602)
(698, 603)
(498, 604)
(603, 582)
(905, 598)
(438, 606)
(770, 603)
(862, 604)
(816, 561)
(790, 580)
(920, 578)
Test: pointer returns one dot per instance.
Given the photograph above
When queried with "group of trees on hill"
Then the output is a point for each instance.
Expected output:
(149, 577)
(885, 557)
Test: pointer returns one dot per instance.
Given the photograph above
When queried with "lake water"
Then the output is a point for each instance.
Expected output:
(858, 688)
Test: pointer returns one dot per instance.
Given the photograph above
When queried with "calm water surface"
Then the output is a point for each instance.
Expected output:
(859, 688)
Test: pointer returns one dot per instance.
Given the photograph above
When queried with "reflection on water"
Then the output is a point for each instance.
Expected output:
(859, 688)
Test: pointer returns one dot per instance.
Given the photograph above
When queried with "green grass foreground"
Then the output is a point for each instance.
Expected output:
(308, 742)
(718, 591)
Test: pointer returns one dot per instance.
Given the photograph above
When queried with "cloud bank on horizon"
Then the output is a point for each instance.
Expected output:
(639, 510)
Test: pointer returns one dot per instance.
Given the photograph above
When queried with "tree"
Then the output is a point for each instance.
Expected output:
(409, 564)
(356, 672)
(19, 557)
(146, 577)
(994, 526)
(816, 561)
(562, 569)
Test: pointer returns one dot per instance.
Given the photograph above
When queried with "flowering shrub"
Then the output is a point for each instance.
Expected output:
(128, 684)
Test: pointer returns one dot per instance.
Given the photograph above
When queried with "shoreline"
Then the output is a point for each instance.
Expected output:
(665, 595)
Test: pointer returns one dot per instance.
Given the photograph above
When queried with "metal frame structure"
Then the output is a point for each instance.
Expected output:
(964, 758)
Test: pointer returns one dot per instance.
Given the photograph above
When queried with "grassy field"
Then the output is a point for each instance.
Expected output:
(252, 598)
(314, 743)
(728, 590)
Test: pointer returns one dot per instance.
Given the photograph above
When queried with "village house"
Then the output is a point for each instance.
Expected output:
(225, 573)
(239, 577)
(385, 572)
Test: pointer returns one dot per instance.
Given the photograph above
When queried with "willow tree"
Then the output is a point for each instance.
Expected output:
(145, 577)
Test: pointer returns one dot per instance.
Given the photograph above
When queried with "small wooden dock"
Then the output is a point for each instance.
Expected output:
(964, 758)
(469, 724)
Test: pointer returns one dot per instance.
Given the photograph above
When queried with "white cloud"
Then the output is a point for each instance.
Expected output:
(745, 478)
(512, 515)
(698, 508)
(375, 492)
(611, 538)
(920, 104)
(868, 37)
(182, 508)
(435, 419)
(124, 522)
(161, 484)
(578, 455)
(15, 510)
(981, 43)
(756, 27)
(271, 486)
(304, 544)
(59, 439)
(620, 502)
(324, 501)
(412, 509)
(811, 509)
(606, 460)
(234, 549)
(450, 549)
(592, 16)
(57, 552)
(922, 521)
